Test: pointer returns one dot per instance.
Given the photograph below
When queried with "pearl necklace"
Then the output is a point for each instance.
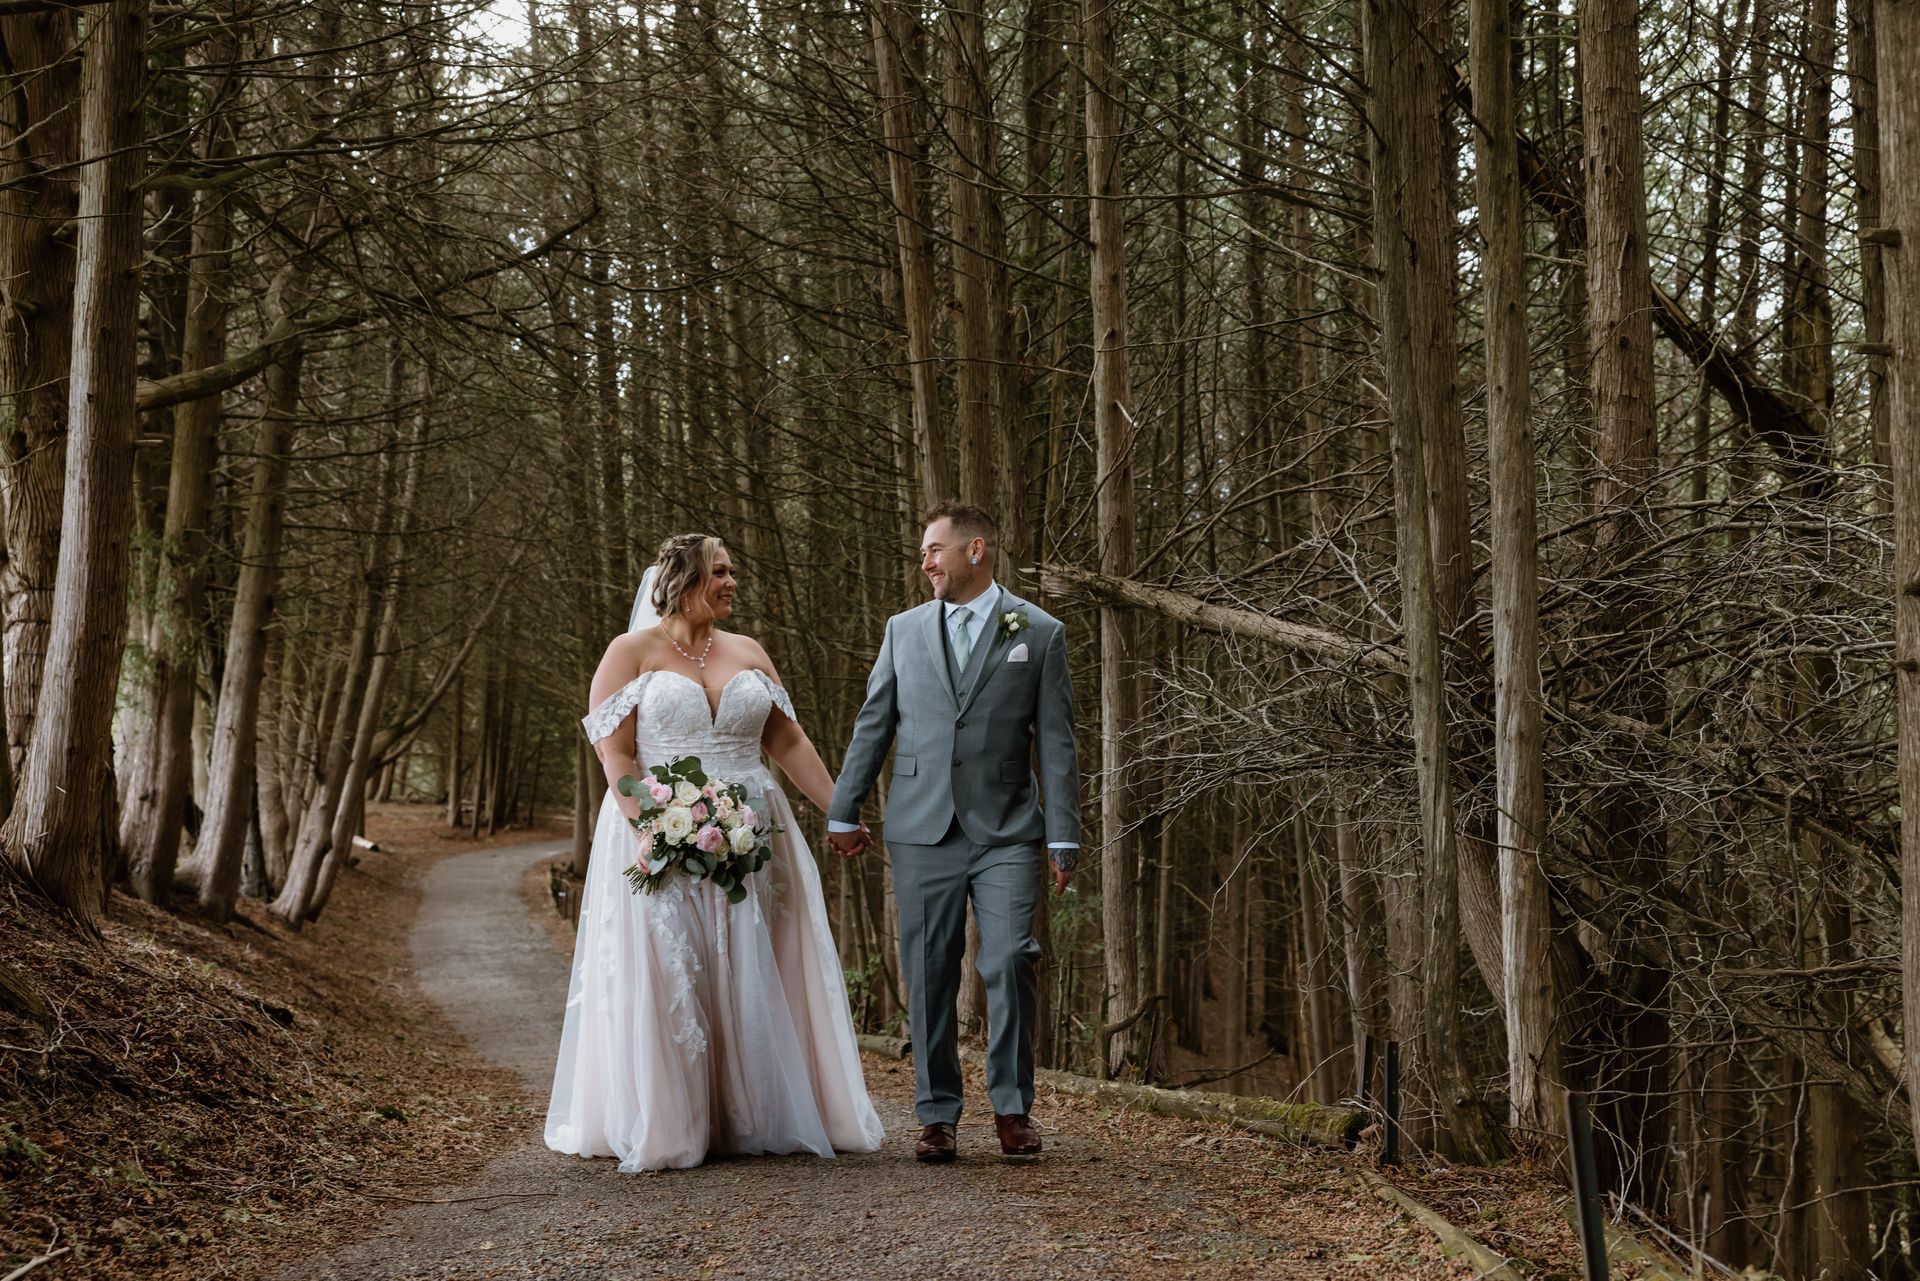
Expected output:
(700, 661)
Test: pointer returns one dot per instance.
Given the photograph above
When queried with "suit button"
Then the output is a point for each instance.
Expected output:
(959, 724)
(956, 762)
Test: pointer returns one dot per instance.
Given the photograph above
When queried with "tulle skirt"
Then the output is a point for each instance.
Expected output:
(695, 1026)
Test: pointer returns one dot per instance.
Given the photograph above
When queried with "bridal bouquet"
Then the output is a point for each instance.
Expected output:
(706, 827)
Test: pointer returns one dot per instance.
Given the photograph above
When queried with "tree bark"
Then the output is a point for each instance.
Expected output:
(1862, 46)
(270, 807)
(979, 255)
(315, 836)
(1413, 235)
(1626, 449)
(394, 532)
(1119, 628)
(1533, 1067)
(37, 203)
(157, 791)
(896, 35)
(1900, 174)
(450, 773)
(215, 867)
(55, 831)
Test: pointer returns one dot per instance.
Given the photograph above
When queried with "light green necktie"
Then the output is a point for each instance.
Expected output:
(963, 644)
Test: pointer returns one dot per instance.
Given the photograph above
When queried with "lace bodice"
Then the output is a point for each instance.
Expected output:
(672, 718)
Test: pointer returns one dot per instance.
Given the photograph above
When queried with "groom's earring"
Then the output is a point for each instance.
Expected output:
(973, 560)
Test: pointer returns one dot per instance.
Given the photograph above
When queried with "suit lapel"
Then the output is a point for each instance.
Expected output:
(936, 641)
(983, 666)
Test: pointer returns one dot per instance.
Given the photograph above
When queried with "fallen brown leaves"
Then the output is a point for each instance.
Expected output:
(201, 1091)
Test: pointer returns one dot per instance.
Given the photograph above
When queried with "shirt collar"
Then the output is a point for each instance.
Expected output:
(981, 605)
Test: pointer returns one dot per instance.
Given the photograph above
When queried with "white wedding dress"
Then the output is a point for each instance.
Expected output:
(696, 1027)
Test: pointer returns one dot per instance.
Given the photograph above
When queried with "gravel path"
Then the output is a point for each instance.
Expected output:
(1114, 1196)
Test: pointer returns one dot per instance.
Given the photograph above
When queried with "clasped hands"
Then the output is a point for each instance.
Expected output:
(848, 844)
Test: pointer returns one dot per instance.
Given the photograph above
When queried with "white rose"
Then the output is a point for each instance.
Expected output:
(676, 824)
(686, 793)
(729, 820)
(743, 839)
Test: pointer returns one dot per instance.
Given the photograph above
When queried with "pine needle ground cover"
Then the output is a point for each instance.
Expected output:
(177, 1099)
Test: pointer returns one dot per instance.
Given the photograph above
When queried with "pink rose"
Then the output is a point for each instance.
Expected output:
(660, 792)
(711, 840)
(747, 817)
(707, 791)
(699, 811)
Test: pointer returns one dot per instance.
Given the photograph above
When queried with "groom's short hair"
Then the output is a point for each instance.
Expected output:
(968, 521)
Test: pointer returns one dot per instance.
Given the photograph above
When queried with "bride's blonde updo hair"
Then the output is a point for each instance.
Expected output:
(685, 561)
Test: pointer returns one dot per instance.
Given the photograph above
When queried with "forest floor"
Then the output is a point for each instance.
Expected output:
(392, 1129)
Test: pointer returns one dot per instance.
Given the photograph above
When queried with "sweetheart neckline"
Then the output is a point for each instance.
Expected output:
(713, 707)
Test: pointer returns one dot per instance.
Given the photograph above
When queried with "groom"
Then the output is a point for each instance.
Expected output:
(972, 689)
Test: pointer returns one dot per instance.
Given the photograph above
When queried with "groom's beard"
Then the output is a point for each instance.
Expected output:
(948, 587)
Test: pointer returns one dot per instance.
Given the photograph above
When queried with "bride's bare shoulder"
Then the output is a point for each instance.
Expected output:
(749, 652)
(632, 653)
(742, 645)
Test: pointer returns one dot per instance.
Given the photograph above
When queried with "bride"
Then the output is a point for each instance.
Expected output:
(695, 1026)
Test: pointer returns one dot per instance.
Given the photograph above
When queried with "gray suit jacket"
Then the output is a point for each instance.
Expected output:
(968, 752)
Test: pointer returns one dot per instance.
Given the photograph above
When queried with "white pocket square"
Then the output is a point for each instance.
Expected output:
(1018, 654)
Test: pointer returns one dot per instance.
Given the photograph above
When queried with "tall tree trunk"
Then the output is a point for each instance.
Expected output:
(157, 792)
(1838, 1239)
(1626, 448)
(1533, 1067)
(270, 807)
(1808, 356)
(1319, 1066)
(616, 576)
(1414, 237)
(316, 832)
(1712, 233)
(456, 725)
(1900, 176)
(56, 831)
(896, 37)
(1862, 43)
(215, 866)
(979, 256)
(1113, 429)
(37, 202)
(395, 533)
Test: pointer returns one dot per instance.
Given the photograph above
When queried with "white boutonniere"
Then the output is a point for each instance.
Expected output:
(1013, 622)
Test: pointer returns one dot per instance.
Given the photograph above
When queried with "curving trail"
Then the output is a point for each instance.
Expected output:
(1135, 1196)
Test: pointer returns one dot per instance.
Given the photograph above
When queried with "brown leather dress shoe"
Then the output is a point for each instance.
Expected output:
(1017, 1135)
(936, 1143)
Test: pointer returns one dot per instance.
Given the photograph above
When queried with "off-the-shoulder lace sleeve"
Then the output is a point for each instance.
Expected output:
(606, 718)
(781, 699)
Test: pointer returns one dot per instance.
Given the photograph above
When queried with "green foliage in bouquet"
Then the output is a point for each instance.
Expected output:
(679, 805)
